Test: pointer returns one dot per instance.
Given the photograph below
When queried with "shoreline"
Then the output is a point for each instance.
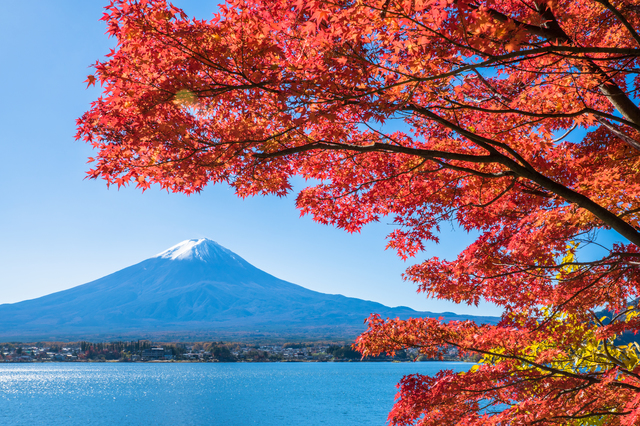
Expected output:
(229, 362)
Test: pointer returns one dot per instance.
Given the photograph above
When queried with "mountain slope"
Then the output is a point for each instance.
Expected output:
(196, 286)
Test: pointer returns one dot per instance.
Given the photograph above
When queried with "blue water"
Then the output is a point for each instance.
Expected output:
(307, 394)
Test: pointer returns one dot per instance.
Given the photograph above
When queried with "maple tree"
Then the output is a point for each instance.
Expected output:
(519, 121)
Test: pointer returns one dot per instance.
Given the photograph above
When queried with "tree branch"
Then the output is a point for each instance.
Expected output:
(528, 172)
(621, 18)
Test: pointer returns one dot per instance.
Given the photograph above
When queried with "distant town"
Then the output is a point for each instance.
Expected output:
(147, 351)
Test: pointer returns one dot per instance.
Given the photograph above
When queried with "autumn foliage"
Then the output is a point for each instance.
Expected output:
(516, 119)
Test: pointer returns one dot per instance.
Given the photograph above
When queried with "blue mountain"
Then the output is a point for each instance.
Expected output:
(194, 290)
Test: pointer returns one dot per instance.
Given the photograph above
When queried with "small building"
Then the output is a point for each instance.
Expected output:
(156, 354)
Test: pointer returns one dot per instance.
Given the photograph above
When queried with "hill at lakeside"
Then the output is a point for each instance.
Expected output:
(195, 290)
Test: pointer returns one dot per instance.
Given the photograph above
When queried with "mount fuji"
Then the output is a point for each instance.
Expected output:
(195, 290)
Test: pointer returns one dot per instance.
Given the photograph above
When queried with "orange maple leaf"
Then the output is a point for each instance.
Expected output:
(91, 81)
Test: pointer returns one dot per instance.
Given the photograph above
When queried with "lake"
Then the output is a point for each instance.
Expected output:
(358, 393)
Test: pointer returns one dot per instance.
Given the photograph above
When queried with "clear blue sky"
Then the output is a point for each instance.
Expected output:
(58, 230)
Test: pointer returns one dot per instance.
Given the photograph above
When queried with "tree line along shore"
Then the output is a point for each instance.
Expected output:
(148, 351)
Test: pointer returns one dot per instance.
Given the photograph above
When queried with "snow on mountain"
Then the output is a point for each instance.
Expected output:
(186, 250)
(196, 249)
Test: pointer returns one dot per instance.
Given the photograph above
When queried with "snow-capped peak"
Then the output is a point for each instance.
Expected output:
(191, 249)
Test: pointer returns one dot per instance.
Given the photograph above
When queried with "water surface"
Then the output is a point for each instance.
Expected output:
(309, 394)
